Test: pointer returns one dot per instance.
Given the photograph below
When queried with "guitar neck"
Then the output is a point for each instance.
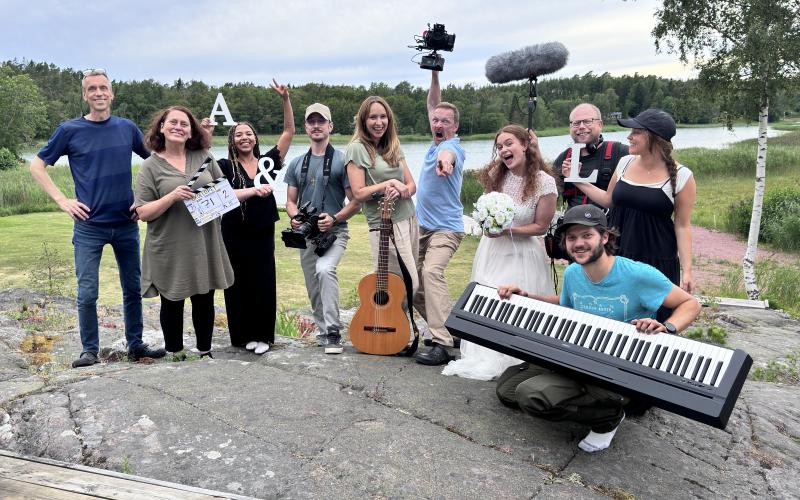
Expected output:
(383, 253)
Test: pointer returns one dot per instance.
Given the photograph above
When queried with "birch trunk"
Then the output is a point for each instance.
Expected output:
(749, 261)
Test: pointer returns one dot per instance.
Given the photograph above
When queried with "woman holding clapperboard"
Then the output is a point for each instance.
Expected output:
(249, 231)
(180, 259)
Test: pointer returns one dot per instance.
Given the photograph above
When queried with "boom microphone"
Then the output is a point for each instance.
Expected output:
(527, 63)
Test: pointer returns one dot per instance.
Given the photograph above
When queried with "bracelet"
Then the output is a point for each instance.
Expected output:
(335, 220)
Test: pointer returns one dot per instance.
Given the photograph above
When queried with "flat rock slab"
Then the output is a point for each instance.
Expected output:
(296, 423)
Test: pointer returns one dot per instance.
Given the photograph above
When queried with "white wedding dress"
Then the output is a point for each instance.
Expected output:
(505, 260)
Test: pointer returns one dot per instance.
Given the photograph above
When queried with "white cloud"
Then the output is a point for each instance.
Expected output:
(343, 41)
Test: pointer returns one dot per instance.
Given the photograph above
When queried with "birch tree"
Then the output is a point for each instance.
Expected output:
(744, 49)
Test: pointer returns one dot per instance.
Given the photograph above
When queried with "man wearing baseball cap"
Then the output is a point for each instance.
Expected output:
(651, 197)
(319, 177)
(597, 282)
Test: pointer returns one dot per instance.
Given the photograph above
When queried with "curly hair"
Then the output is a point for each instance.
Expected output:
(155, 140)
(662, 149)
(233, 154)
(493, 174)
(389, 144)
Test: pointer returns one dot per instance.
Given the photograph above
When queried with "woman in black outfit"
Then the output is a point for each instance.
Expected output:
(249, 233)
(651, 198)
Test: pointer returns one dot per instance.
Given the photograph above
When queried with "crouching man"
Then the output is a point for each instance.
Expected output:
(597, 282)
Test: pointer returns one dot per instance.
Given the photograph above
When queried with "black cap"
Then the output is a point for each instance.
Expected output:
(585, 215)
(656, 121)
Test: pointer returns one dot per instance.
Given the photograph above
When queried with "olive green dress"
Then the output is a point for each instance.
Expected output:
(180, 259)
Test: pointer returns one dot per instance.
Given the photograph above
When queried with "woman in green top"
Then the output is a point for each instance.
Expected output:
(376, 166)
(180, 260)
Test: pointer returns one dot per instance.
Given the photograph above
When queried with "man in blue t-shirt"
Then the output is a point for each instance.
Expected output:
(441, 226)
(599, 283)
(99, 148)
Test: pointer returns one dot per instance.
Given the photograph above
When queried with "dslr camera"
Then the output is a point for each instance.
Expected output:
(308, 230)
(434, 39)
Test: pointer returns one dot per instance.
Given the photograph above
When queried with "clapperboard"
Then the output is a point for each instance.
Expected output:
(212, 200)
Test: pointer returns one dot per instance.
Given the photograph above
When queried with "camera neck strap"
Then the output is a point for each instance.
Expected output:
(326, 174)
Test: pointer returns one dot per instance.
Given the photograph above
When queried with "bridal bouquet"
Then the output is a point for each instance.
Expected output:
(494, 212)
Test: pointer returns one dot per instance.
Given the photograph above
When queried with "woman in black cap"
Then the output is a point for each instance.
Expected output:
(652, 198)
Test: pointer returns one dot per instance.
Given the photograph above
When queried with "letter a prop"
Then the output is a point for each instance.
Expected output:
(221, 108)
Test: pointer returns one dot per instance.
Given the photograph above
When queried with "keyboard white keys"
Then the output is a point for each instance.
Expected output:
(666, 353)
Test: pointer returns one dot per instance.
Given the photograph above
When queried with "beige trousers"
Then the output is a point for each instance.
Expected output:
(432, 299)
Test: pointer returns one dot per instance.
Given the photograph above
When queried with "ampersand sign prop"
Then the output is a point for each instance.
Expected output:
(264, 172)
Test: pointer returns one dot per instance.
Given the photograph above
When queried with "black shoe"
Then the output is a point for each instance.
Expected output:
(436, 355)
(145, 351)
(86, 359)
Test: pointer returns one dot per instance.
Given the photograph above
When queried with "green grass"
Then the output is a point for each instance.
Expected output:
(23, 235)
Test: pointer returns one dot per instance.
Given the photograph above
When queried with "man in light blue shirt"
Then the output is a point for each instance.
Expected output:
(441, 226)
(597, 282)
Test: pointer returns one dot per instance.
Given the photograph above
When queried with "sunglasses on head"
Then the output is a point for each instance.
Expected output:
(94, 72)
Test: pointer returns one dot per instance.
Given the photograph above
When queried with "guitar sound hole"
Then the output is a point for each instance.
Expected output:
(381, 298)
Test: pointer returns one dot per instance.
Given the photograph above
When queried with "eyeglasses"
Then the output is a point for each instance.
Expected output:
(587, 122)
(94, 72)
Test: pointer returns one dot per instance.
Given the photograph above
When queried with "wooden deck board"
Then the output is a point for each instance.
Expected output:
(27, 477)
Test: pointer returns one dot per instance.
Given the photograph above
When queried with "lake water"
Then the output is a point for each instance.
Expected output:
(479, 152)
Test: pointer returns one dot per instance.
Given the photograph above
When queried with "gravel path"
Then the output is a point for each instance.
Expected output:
(714, 252)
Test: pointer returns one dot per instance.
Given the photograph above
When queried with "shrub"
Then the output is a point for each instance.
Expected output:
(780, 218)
(471, 190)
(8, 160)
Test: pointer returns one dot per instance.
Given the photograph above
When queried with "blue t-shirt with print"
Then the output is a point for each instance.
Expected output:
(99, 156)
(631, 290)
(439, 198)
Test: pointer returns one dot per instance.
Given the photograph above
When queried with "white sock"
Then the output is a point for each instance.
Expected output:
(595, 441)
(251, 345)
(261, 348)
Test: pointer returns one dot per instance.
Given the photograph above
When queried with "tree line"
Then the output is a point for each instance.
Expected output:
(36, 96)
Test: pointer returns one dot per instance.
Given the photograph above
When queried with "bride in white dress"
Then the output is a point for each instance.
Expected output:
(517, 255)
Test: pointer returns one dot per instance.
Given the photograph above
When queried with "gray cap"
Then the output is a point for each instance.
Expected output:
(656, 121)
(318, 108)
(585, 215)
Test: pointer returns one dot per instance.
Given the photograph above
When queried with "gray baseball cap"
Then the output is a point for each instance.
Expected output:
(585, 215)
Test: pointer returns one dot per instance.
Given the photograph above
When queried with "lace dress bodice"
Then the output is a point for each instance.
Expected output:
(526, 209)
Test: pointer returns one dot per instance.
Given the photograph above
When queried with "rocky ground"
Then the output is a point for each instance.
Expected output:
(296, 423)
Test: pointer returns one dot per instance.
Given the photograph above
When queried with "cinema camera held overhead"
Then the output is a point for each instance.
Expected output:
(434, 39)
(308, 230)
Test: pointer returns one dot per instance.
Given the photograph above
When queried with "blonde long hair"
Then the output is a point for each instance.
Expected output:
(389, 144)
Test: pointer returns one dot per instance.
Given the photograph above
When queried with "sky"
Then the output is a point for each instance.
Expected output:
(332, 42)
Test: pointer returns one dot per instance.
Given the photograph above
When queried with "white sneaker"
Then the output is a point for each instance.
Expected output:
(595, 442)
(251, 345)
(261, 348)
(335, 348)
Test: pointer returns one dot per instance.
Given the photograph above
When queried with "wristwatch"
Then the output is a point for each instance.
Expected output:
(670, 328)
(335, 220)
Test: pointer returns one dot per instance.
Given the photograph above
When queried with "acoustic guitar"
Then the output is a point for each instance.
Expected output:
(380, 325)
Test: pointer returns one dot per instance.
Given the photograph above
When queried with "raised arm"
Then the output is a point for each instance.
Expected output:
(434, 92)
(73, 207)
(285, 140)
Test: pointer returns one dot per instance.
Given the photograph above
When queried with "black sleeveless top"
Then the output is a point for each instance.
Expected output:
(643, 215)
